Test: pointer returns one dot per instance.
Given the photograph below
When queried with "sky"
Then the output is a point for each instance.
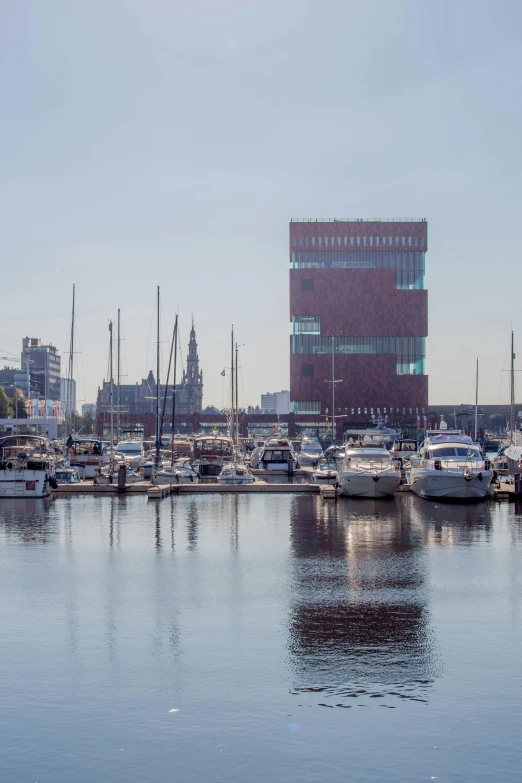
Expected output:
(169, 143)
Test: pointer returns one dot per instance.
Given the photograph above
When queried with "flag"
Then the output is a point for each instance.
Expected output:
(223, 373)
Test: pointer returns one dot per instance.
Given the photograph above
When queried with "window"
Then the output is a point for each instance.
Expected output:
(377, 241)
(345, 241)
(326, 241)
(409, 241)
(371, 410)
(320, 241)
(338, 241)
(396, 241)
(352, 411)
(358, 411)
(306, 324)
(307, 370)
(306, 242)
(300, 241)
(307, 284)
(359, 240)
(366, 411)
(307, 406)
(313, 241)
(403, 241)
(364, 241)
(416, 241)
(351, 241)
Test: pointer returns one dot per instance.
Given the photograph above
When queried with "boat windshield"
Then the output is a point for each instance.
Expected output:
(129, 448)
(454, 451)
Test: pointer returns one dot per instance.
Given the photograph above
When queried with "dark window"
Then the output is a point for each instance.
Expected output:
(307, 369)
(307, 284)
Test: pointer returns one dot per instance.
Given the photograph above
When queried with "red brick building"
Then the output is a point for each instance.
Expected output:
(357, 297)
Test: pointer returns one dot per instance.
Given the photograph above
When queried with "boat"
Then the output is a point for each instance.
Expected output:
(25, 476)
(180, 472)
(88, 455)
(513, 451)
(403, 449)
(131, 452)
(235, 473)
(311, 451)
(368, 471)
(276, 454)
(211, 452)
(450, 466)
(326, 472)
(67, 476)
(378, 434)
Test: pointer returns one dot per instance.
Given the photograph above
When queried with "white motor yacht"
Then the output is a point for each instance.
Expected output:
(368, 471)
(235, 473)
(181, 472)
(311, 452)
(67, 476)
(276, 454)
(326, 472)
(25, 477)
(450, 466)
(131, 452)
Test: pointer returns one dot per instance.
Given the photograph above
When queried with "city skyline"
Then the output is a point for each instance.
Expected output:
(179, 142)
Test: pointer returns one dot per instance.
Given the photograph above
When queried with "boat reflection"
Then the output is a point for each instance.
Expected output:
(359, 626)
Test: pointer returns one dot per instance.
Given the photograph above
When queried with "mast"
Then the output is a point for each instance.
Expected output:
(118, 422)
(237, 415)
(174, 390)
(512, 390)
(333, 389)
(476, 404)
(68, 409)
(167, 384)
(111, 391)
(232, 387)
(158, 380)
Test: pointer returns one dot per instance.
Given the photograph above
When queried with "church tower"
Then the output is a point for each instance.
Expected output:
(193, 378)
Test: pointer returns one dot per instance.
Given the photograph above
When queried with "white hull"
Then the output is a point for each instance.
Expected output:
(368, 485)
(235, 480)
(513, 455)
(450, 485)
(176, 478)
(24, 484)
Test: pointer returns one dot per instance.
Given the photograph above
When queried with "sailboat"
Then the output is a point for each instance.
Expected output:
(513, 452)
(235, 472)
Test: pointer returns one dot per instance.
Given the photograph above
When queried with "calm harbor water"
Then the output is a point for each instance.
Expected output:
(259, 638)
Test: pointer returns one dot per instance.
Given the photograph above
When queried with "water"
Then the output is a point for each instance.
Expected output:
(259, 638)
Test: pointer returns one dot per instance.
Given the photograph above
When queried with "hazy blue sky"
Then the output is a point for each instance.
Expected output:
(154, 141)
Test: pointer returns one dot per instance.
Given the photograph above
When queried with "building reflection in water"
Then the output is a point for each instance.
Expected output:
(447, 524)
(359, 624)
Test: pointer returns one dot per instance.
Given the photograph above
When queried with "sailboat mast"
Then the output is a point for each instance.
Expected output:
(512, 390)
(111, 389)
(476, 404)
(158, 379)
(333, 389)
(118, 421)
(174, 390)
(68, 409)
(237, 414)
(232, 384)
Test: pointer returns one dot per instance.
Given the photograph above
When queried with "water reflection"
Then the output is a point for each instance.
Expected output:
(448, 524)
(359, 624)
(28, 519)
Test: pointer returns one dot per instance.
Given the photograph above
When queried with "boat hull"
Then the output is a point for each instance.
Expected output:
(368, 485)
(24, 484)
(450, 485)
(513, 455)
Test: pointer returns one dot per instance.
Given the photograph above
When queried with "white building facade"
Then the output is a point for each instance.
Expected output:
(276, 402)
